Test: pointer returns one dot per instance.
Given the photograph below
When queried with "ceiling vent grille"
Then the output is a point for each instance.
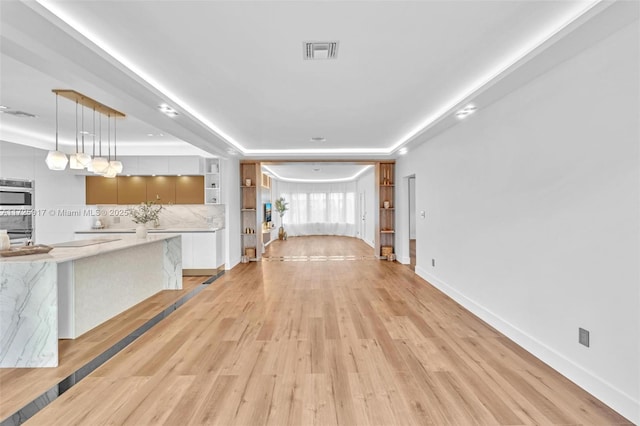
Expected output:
(19, 113)
(320, 49)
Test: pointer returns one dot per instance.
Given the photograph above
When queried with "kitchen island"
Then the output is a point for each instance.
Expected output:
(202, 248)
(76, 287)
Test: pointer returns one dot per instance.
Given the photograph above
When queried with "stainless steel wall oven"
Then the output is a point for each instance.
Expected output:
(17, 213)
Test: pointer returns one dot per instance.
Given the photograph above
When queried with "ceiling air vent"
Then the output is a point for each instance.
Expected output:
(320, 49)
(19, 113)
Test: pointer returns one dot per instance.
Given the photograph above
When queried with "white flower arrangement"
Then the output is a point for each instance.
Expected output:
(147, 211)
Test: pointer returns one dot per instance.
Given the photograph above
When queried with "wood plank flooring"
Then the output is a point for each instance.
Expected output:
(304, 343)
(20, 386)
(318, 245)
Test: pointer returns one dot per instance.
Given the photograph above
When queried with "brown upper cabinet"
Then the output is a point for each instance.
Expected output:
(161, 189)
(132, 189)
(189, 189)
(100, 190)
(137, 189)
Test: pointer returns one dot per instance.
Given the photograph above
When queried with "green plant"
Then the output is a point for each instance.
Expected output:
(144, 212)
(281, 206)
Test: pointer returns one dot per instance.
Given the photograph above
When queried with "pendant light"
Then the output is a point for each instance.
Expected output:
(56, 160)
(100, 164)
(74, 161)
(115, 164)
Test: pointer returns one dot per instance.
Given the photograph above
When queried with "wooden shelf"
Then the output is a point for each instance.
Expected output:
(250, 216)
(385, 225)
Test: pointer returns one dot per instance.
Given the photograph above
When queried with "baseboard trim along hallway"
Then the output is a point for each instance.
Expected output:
(602, 390)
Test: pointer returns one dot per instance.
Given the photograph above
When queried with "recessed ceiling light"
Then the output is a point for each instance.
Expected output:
(466, 111)
(4, 107)
(149, 134)
(166, 109)
(318, 139)
(402, 151)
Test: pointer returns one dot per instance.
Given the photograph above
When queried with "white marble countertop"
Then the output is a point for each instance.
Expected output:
(150, 230)
(65, 254)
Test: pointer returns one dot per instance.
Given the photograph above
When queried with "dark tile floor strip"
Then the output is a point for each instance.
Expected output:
(50, 395)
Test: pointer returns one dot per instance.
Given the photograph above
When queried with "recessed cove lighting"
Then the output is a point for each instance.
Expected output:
(166, 109)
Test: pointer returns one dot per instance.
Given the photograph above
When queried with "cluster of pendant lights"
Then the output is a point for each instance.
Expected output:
(57, 160)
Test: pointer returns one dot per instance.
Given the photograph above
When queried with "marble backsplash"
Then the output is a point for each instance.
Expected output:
(172, 216)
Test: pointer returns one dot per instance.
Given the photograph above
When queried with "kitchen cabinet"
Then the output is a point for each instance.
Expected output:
(132, 189)
(187, 165)
(161, 189)
(138, 189)
(101, 190)
(202, 252)
(189, 189)
(153, 165)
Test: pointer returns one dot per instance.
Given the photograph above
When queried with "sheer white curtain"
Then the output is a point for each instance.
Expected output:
(319, 208)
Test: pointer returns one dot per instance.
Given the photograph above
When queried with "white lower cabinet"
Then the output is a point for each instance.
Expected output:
(200, 250)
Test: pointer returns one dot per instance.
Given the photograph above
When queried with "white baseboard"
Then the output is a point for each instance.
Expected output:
(405, 260)
(232, 264)
(598, 387)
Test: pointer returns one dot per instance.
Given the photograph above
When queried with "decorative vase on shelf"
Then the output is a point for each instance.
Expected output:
(5, 242)
(141, 230)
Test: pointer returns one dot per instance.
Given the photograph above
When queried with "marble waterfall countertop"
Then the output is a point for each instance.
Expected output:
(65, 254)
(150, 230)
(77, 286)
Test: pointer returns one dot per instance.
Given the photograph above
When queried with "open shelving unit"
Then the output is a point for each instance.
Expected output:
(212, 181)
(385, 178)
(251, 224)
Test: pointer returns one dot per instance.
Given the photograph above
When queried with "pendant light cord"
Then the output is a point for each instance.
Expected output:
(76, 127)
(115, 139)
(56, 122)
(94, 131)
(109, 135)
(100, 125)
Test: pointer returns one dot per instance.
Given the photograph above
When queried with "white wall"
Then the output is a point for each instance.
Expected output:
(230, 172)
(366, 184)
(59, 195)
(412, 208)
(533, 217)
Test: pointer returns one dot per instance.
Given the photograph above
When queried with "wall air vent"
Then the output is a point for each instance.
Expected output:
(320, 49)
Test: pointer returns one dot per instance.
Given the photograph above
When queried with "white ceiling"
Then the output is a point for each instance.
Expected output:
(235, 72)
(316, 171)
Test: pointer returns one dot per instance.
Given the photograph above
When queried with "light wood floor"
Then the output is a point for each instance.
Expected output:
(318, 245)
(303, 343)
(20, 386)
